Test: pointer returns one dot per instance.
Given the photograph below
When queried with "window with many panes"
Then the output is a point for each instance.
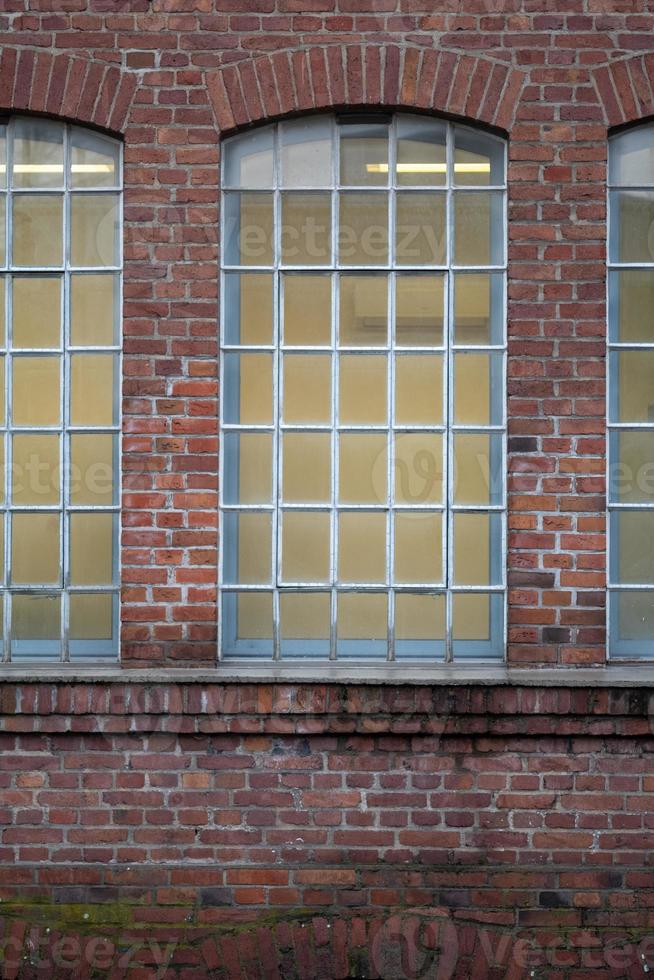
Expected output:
(362, 390)
(60, 259)
(631, 393)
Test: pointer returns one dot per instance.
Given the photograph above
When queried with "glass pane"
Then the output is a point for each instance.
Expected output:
(362, 624)
(632, 226)
(307, 388)
(631, 471)
(36, 311)
(632, 389)
(420, 237)
(478, 308)
(94, 308)
(306, 152)
(361, 547)
(418, 547)
(364, 154)
(419, 389)
(632, 546)
(247, 624)
(247, 477)
(362, 389)
(478, 389)
(363, 229)
(93, 398)
(2, 493)
(477, 625)
(92, 618)
(35, 555)
(419, 310)
(421, 155)
(35, 627)
(3, 228)
(248, 308)
(305, 623)
(92, 467)
(363, 311)
(476, 557)
(306, 232)
(632, 618)
(247, 548)
(38, 153)
(94, 229)
(631, 306)
(631, 157)
(38, 230)
(2, 390)
(419, 625)
(478, 158)
(307, 469)
(307, 309)
(363, 465)
(92, 544)
(478, 468)
(248, 159)
(478, 228)
(305, 546)
(419, 468)
(249, 230)
(35, 469)
(248, 388)
(36, 391)
(95, 159)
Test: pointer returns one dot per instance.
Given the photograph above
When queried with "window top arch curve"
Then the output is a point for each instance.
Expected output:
(631, 156)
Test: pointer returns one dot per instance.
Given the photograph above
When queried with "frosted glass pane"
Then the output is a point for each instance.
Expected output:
(362, 547)
(95, 159)
(471, 616)
(247, 623)
(36, 391)
(248, 159)
(92, 477)
(418, 548)
(36, 311)
(632, 618)
(305, 546)
(306, 474)
(363, 154)
(363, 464)
(305, 616)
(247, 548)
(3, 325)
(2, 389)
(478, 389)
(3, 228)
(631, 157)
(94, 309)
(631, 473)
(478, 308)
(248, 224)
(247, 476)
(418, 617)
(38, 230)
(362, 624)
(35, 557)
(632, 223)
(419, 310)
(306, 230)
(478, 468)
(307, 388)
(476, 556)
(248, 307)
(419, 389)
(91, 616)
(632, 543)
(306, 152)
(420, 236)
(362, 389)
(419, 468)
(248, 388)
(38, 153)
(421, 155)
(478, 158)
(35, 618)
(93, 399)
(632, 386)
(35, 469)
(94, 229)
(363, 311)
(307, 309)
(363, 229)
(92, 543)
(478, 228)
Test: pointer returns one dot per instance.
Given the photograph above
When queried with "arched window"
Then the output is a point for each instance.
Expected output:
(60, 250)
(631, 393)
(362, 390)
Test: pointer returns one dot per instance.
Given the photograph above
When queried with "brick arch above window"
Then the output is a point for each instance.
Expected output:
(319, 77)
(626, 89)
(74, 88)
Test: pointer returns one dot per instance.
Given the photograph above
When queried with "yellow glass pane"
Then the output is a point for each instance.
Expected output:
(307, 388)
(92, 543)
(249, 228)
(92, 469)
(35, 557)
(478, 231)
(307, 309)
(248, 388)
(362, 547)
(38, 153)
(306, 476)
(475, 477)
(36, 391)
(91, 616)
(306, 232)
(471, 616)
(247, 548)
(247, 470)
(363, 463)
(3, 325)
(362, 616)
(363, 228)
(92, 396)
(2, 390)
(253, 615)
(472, 540)
(249, 309)
(93, 309)
(35, 469)
(3, 228)
(363, 389)
(35, 617)
(419, 617)
(305, 546)
(2, 480)
(420, 236)
(36, 311)
(95, 159)
(38, 230)
(419, 389)
(305, 615)
(635, 384)
(419, 310)
(363, 311)
(418, 547)
(94, 229)
(472, 389)
(472, 309)
(419, 468)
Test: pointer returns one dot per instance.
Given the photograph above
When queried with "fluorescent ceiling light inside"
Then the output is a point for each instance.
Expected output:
(429, 168)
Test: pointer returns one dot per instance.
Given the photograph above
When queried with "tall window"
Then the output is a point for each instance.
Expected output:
(362, 391)
(631, 393)
(59, 338)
